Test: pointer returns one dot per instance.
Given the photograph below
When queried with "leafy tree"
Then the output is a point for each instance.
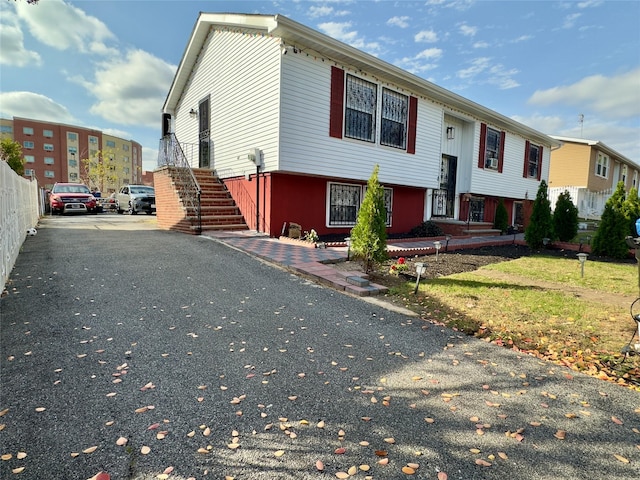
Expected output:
(11, 152)
(609, 239)
(565, 217)
(541, 222)
(101, 170)
(501, 220)
(369, 235)
(631, 210)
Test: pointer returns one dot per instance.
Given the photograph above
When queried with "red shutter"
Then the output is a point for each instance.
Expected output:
(501, 153)
(525, 170)
(413, 124)
(540, 162)
(337, 102)
(483, 144)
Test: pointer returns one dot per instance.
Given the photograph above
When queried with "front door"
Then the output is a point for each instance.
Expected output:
(444, 197)
(204, 144)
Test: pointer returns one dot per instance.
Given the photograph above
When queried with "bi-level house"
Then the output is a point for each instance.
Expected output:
(293, 122)
(590, 171)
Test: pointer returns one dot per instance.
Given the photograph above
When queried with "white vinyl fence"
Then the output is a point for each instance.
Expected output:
(19, 211)
(590, 204)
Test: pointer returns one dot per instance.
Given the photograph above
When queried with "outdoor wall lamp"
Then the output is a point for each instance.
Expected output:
(582, 257)
(437, 246)
(193, 113)
(451, 133)
(421, 269)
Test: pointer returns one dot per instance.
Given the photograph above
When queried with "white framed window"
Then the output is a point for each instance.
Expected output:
(360, 109)
(125, 147)
(624, 174)
(93, 139)
(48, 147)
(6, 129)
(72, 136)
(27, 130)
(28, 145)
(73, 177)
(29, 172)
(393, 121)
(49, 173)
(111, 144)
(533, 161)
(48, 160)
(73, 163)
(47, 133)
(602, 166)
(345, 200)
(29, 159)
(492, 149)
(344, 203)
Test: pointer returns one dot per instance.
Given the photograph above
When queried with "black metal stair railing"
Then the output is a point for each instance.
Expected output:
(172, 154)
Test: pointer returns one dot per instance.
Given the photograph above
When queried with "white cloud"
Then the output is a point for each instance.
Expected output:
(522, 38)
(64, 27)
(429, 53)
(124, 91)
(323, 11)
(549, 124)
(480, 45)
(589, 3)
(13, 51)
(611, 97)
(426, 36)
(149, 159)
(468, 31)
(482, 71)
(33, 105)
(417, 63)
(570, 20)
(402, 22)
(342, 32)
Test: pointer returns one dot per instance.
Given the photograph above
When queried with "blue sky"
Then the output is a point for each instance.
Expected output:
(108, 64)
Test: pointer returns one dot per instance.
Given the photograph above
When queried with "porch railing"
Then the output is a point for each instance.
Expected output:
(171, 153)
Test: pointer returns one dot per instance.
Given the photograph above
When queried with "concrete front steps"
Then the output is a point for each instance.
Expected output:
(458, 228)
(353, 282)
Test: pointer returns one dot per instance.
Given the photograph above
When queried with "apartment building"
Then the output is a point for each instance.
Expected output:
(55, 152)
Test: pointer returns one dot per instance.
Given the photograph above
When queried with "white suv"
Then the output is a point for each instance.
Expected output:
(136, 198)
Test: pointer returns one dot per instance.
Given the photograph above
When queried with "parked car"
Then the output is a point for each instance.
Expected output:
(136, 198)
(109, 203)
(72, 197)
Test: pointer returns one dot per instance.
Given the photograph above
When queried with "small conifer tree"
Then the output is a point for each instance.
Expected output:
(501, 220)
(609, 239)
(369, 235)
(541, 222)
(565, 217)
(631, 211)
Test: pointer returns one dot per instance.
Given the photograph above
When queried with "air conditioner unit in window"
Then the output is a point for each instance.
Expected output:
(492, 163)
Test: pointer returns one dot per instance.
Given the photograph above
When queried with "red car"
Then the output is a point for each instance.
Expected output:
(72, 197)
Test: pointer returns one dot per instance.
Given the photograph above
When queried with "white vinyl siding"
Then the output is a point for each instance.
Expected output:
(509, 183)
(240, 73)
(306, 147)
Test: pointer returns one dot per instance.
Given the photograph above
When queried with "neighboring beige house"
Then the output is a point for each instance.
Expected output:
(590, 171)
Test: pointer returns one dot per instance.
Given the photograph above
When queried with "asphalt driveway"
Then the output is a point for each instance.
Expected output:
(134, 351)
